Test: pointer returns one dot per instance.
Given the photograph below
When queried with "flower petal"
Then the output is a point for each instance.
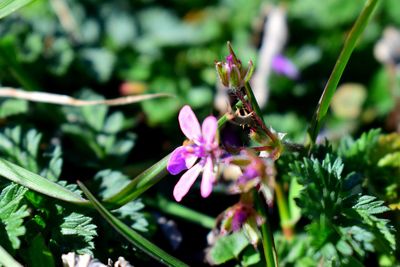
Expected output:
(208, 178)
(186, 181)
(209, 129)
(189, 124)
(190, 160)
(282, 65)
(177, 161)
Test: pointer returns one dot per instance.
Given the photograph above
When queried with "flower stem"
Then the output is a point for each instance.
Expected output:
(337, 72)
(267, 237)
(256, 108)
(284, 213)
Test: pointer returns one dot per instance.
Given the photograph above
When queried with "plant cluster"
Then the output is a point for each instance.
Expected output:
(76, 187)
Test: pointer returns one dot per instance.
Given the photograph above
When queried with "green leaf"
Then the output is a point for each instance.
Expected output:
(367, 207)
(360, 148)
(227, 248)
(10, 107)
(250, 257)
(96, 135)
(76, 227)
(60, 55)
(12, 213)
(101, 62)
(53, 170)
(94, 116)
(9, 6)
(110, 183)
(133, 237)
(38, 183)
(39, 254)
(324, 190)
(390, 160)
(294, 192)
(341, 216)
(21, 148)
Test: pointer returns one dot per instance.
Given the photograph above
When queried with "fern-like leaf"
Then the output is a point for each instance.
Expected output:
(12, 213)
(368, 207)
(82, 231)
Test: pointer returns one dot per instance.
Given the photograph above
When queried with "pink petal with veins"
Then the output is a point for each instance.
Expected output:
(208, 178)
(189, 124)
(209, 129)
(186, 182)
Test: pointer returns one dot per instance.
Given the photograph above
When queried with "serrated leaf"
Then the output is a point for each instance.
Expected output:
(390, 160)
(367, 207)
(21, 148)
(53, 170)
(336, 203)
(79, 225)
(110, 182)
(360, 148)
(12, 213)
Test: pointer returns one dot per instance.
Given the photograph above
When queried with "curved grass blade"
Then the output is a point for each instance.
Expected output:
(133, 237)
(9, 6)
(38, 183)
(140, 183)
(7, 260)
(331, 85)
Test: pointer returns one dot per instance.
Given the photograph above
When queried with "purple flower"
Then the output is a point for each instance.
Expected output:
(202, 145)
(283, 66)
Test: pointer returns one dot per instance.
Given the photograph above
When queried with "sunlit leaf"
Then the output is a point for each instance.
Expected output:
(9, 6)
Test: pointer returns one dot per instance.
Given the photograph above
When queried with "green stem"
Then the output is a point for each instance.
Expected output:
(284, 214)
(7, 260)
(337, 72)
(267, 237)
(175, 209)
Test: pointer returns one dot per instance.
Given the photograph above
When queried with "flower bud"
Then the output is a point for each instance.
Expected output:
(231, 72)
